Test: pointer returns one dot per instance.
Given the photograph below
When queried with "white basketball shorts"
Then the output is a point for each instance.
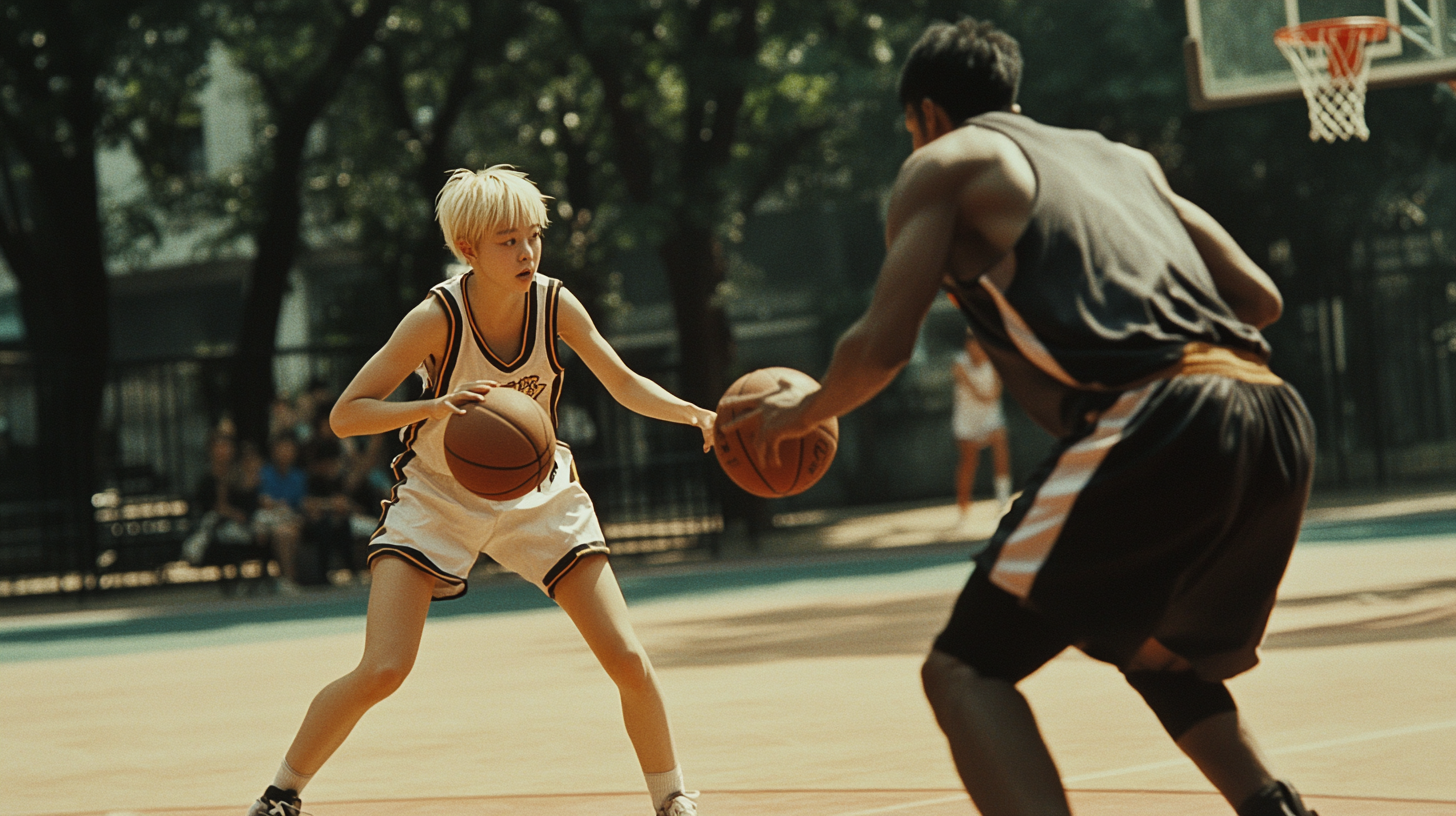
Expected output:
(441, 528)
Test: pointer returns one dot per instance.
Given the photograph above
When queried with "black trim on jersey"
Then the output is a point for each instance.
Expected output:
(556, 401)
(528, 331)
(553, 302)
(443, 373)
(553, 299)
(452, 350)
(397, 467)
(439, 387)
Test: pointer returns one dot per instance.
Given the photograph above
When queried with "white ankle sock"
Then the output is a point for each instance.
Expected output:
(662, 785)
(1003, 489)
(289, 779)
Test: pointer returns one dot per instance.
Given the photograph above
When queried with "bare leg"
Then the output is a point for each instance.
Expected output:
(285, 548)
(399, 599)
(994, 741)
(1000, 453)
(966, 473)
(1225, 752)
(590, 596)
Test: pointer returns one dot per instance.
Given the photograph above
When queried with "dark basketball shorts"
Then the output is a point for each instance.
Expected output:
(1171, 515)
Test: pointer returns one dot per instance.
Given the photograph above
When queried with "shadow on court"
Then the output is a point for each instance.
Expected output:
(495, 594)
(1432, 616)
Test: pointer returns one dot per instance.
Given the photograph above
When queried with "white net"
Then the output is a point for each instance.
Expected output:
(1333, 66)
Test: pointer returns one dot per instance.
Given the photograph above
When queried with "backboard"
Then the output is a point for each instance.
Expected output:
(1232, 60)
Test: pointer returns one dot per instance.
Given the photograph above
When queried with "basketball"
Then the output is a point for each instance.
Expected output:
(502, 447)
(802, 461)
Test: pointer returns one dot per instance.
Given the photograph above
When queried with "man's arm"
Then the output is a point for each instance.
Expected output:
(879, 344)
(920, 226)
(1245, 287)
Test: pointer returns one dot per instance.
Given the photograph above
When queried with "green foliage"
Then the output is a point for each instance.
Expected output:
(636, 115)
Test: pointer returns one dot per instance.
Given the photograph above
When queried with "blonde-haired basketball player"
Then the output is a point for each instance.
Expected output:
(493, 327)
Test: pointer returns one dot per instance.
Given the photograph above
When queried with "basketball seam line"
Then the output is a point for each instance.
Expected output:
(759, 473)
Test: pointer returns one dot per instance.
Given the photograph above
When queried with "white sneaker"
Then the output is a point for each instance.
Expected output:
(680, 804)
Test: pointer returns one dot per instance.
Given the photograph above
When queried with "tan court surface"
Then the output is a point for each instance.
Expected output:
(794, 694)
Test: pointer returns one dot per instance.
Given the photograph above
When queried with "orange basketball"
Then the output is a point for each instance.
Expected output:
(802, 461)
(502, 447)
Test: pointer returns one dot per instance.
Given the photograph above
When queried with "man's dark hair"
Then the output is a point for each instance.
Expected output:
(968, 68)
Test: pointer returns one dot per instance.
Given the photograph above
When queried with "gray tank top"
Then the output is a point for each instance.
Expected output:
(1108, 287)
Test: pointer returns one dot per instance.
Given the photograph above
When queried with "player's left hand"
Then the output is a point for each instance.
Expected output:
(779, 414)
(704, 420)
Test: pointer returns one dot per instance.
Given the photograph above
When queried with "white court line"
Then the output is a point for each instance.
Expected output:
(960, 797)
(1170, 763)
(1151, 766)
(1288, 749)
(1373, 735)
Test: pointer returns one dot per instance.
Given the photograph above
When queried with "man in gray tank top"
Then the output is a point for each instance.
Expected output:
(1126, 322)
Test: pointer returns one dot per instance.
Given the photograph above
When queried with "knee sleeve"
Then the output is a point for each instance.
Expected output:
(1181, 699)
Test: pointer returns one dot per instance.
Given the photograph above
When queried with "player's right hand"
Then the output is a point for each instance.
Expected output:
(779, 415)
(456, 401)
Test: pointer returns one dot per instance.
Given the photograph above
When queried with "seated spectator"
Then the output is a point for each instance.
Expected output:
(311, 407)
(282, 417)
(282, 486)
(250, 465)
(370, 481)
(226, 500)
(322, 443)
(328, 514)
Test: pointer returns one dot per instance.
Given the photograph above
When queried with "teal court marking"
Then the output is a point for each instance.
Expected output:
(942, 568)
(1408, 526)
(342, 611)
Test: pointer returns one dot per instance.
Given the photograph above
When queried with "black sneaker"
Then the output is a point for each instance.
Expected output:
(1278, 799)
(277, 802)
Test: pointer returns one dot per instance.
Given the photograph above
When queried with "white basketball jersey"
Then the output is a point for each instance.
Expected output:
(535, 372)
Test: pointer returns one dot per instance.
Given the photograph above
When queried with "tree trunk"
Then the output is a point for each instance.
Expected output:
(695, 268)
(64, 298)
(278, 236)
(278, 243)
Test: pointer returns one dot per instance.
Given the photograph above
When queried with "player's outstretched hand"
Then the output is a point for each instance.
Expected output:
(455, 401)
(779, 415)
(703, 420)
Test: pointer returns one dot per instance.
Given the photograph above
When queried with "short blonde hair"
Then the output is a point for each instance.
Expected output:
(476, 203)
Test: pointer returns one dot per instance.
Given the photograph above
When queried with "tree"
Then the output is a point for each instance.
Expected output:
(671, 122)
(401, 123)
(62, 68)
(685, 115)
(300, 54)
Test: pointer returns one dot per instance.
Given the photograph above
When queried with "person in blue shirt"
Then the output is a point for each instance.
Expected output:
(281, 488)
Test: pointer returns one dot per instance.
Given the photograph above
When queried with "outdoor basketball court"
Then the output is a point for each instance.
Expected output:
(792, 680)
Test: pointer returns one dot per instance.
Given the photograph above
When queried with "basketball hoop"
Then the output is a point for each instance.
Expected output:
(1332, 65)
